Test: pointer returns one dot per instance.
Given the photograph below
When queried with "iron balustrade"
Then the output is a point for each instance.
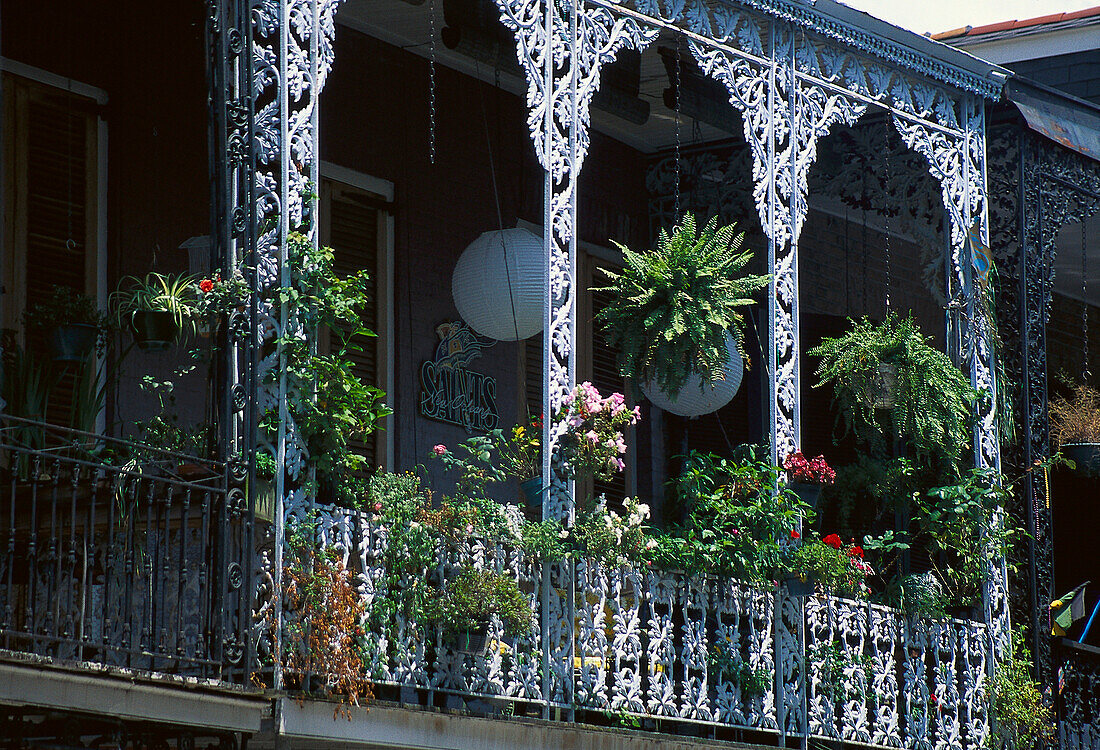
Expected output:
(635, 647)
(1078, 700)
(119, 554)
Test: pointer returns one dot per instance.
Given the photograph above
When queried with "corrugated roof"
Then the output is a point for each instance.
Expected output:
(993, 28)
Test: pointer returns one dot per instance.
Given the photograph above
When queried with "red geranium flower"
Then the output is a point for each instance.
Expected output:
(206, 285)
(795, 534)
(856, 551)
(833, 541)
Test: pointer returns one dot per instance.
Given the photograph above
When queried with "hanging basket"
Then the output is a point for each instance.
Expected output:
(695, 398)
(807, 493)
(153, 330)
(499, 284)
(1085, 456)
(884, 389)
(72, 342)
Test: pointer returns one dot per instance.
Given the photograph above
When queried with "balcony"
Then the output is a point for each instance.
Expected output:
(637, 648)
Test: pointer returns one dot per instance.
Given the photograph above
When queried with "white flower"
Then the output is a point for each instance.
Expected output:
(650, 543)
(643, 509)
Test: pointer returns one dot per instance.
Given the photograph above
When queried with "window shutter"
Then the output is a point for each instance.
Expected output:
(353, 234)
(606, 378)
(53, 164)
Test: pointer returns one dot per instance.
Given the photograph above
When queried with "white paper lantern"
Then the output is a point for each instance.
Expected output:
(693, 400)
(493, 264)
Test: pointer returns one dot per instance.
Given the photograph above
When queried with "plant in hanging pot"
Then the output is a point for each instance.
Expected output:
(1075, 426)
(71, 324)
(155, 309)
(925, 400)
(469, 603)
(675, 318)
(521, 457)
(806, 477)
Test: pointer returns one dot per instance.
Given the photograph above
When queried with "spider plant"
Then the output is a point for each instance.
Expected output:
(156, 308)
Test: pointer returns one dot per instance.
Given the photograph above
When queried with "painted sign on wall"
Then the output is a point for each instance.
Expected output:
(449, 391)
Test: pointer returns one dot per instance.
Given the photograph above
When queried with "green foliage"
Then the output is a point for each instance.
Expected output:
(933, 405)
(612, 538)
(1020, 717)
(834, 667)
(674, 305)
(736, 520)
(923, 596)
(331, 406)
(725, 660)
(543, 540)
(962, 526)
(474, 596)
(836, 566)
(156, 293)
(867, 489)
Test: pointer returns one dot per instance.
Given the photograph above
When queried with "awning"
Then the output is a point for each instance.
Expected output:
(1068, 121)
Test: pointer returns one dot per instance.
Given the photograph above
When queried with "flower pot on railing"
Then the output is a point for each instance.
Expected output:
(1085, 457)
(72, 342)
(154, 330)
(800, 585)
(473, 640)
(532, 490)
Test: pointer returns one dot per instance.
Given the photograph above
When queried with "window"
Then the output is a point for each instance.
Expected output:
(52, 160)
(357, 224)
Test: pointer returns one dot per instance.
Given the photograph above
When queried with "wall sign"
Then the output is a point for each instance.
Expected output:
(452, 393)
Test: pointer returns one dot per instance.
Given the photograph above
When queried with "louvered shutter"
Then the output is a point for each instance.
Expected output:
(53, 159)
(353, 234)
(532, 376)
(605, 376)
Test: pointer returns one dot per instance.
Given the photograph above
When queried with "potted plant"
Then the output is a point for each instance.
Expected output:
(521, 457)
(155, 309)
(471, 600)
(1075, 426)
(924, 400)
(675, 318)
(807, 477)
(71, 322)
(830, 562)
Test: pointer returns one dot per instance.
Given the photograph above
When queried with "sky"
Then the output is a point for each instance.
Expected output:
(943, 15)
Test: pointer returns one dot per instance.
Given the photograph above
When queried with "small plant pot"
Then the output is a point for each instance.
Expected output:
(800, 585)
(807, 493)
(72, 342)
(532, 492)
(153, 330)
(1085, 456)
(884, 391)
(473, 640)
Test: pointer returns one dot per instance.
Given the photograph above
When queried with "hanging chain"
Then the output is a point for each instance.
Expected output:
(677, 87)
(886, 228)
(431, 83)
(1084, 305)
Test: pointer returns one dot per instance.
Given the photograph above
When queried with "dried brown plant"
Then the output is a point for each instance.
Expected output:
(1076, 419)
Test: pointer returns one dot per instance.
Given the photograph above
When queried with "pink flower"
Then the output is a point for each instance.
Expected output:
(439, 450)
(378, 507)
(469, 528)
(592, 436)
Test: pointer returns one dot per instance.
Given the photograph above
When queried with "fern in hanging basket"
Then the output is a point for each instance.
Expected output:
(673, 305)
(932, 401)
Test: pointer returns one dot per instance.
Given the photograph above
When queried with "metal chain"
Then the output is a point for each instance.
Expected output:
(677, 87)
(431, 83)
(886, 228)
(1084, 304)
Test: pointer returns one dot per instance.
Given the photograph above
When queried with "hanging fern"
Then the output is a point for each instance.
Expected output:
(933, 407)
(674, 304)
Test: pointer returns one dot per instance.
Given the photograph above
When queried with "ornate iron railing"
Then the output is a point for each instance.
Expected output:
(118, 553)
(1078, 701)
(638, 646)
